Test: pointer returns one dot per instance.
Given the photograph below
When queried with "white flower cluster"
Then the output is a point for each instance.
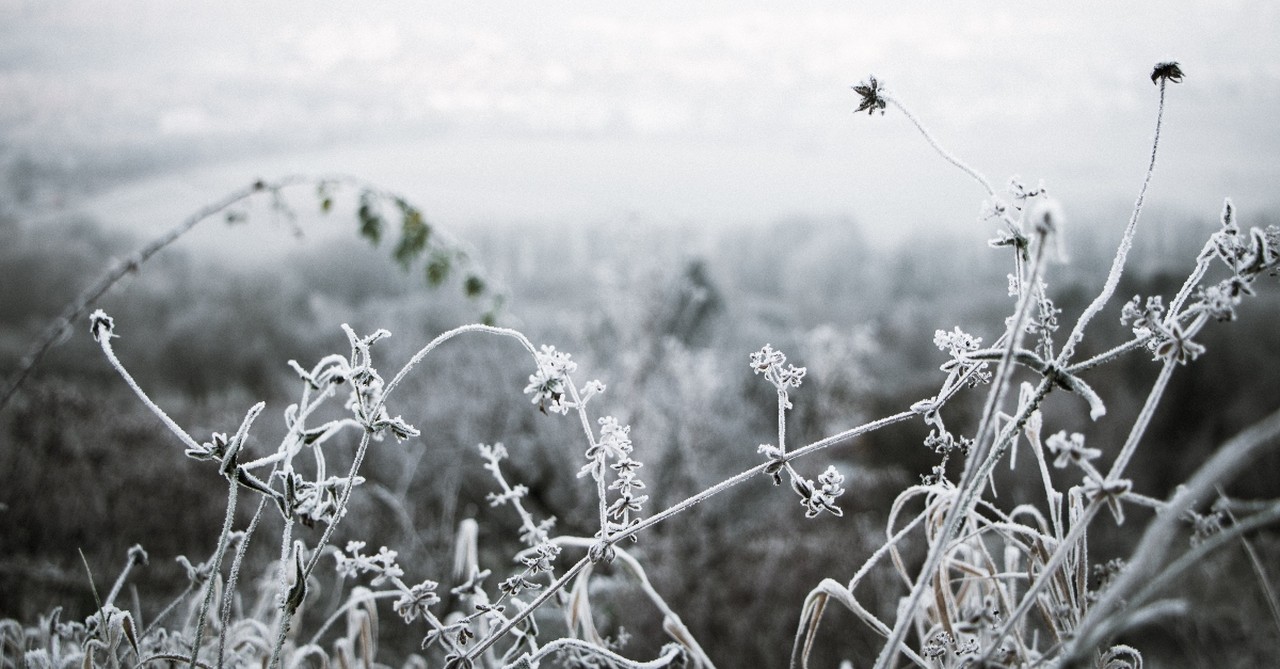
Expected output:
(770, 362)
(550, 383)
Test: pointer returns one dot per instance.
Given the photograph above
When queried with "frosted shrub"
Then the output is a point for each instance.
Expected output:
(997, 586)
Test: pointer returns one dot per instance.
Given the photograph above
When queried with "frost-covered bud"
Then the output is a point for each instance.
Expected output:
(956, 342)
(766, 358)
(1218, 302)
(401, 429)
(542, 557)
(516, 584)
(820, 497)
(831, 481)
(791, 376)
(592, 389)
(101, 326)
(615, 441)
(872, 97)
(1167, 71)
(382, 564)
(1131, 311)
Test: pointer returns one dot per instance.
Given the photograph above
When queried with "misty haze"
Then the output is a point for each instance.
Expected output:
(722, 335)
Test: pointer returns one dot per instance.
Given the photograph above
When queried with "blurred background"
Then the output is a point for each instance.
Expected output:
(657, 189)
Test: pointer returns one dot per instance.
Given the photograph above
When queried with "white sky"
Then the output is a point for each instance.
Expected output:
(721, 111)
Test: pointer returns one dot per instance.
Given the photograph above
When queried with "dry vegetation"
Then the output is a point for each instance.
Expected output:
(538, 552)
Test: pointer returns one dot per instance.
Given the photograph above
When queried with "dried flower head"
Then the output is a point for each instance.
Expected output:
(1169, 71)
(101, 326)
(872, 97)
(1178, 347)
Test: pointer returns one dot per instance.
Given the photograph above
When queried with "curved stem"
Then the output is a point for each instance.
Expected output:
(76, 308)
(187, 440)
(1122, 253)
(1048, 572)
(442, 338)
(351, 602)
(946, 155)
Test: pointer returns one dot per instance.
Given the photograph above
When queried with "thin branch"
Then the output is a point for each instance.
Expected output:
(72, 312)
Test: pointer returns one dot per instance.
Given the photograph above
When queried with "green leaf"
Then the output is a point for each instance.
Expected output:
(326, 200)
(414, 233)
(473, 286)
(438, 268)
(490, 317)
(370, 220)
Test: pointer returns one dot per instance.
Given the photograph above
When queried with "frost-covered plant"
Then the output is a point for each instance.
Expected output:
(996, 587)
(1010, 587)
(317, 498)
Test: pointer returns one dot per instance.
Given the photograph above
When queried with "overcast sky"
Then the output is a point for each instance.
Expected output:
(671, 111)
